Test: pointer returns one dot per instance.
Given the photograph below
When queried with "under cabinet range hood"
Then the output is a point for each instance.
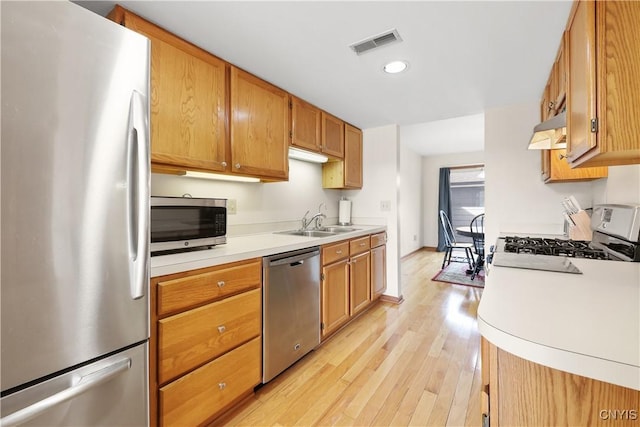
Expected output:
(550, 134)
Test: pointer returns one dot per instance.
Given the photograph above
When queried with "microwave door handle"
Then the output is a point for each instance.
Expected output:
(80, 386)
(138, 194)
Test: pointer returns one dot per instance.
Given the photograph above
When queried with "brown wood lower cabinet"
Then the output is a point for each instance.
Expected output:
(195, 397)
(378, 264)
(206, 347)
(347, 276)
(518, 392)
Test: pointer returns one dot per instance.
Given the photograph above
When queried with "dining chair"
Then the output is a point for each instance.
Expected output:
(477, 228)
(451, 244)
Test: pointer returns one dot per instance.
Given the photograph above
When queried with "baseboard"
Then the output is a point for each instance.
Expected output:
(391, 299)
(430, 248)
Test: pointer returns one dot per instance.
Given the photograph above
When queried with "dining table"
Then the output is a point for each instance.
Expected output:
(467, 232)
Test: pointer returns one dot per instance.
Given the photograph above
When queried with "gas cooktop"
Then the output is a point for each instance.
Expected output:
(551, 246)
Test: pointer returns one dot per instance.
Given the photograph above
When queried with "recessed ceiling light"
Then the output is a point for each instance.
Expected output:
(394, 67)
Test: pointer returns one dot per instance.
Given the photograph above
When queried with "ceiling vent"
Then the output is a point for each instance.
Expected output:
(386, 38)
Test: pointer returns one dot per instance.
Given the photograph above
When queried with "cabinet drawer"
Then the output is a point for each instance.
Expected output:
(205, 392)
(378, 239)
(359, 245)
(335, 252)
(180, 293)
(189, 339)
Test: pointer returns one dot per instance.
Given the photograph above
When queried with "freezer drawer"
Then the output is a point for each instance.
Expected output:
(109, 392)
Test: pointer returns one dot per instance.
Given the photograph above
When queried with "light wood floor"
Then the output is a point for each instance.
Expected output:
(416, 363)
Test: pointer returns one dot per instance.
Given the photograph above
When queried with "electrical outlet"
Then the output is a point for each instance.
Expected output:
(415, 237)
(385, 205)
(232, 207)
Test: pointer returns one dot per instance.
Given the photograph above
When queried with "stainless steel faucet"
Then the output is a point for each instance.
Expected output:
(316, 217)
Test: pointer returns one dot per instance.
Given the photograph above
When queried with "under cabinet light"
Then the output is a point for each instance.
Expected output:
(307, 156)
(220, 177)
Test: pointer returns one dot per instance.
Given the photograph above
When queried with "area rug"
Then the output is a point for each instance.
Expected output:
(456, 273)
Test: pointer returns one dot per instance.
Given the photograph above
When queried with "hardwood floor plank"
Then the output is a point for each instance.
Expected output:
(415, 363)
(423, 409)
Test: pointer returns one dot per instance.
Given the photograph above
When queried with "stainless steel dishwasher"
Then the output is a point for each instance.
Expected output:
(290, 309)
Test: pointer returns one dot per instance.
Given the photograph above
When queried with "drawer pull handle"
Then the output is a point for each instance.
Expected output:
(220, 283)
(222, 386)
(222, 328)
(339, 252)
(362, 244)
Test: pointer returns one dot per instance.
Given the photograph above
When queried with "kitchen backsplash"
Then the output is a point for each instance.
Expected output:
(261, 207)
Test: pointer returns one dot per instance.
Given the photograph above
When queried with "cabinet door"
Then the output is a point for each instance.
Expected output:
(207, 391)
(259, 127)
(560, 171)
(360, 282)
(378, 271)
(188, 101)
(545, 164)
(581, 94)
(353, 157)
(305, 125)
(335, 296)
(189, 339)
(332, 135)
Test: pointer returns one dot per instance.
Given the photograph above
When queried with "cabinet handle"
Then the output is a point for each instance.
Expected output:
(220, 283)
(237, 165)
(362, 244)
(222, 386)
(223, 164)
(222, 328)
(339, 252)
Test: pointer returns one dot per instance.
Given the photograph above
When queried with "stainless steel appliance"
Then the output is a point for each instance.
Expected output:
(75, 213)
(291, 309)
(616, 237)
(187, 223)
(616, 230)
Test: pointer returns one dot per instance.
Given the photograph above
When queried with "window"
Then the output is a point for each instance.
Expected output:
(467, 196)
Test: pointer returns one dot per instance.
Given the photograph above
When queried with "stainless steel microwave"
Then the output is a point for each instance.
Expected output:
(185, 223)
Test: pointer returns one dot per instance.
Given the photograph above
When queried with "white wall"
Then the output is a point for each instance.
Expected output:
(410, 201)
(516, 199)
(622, 186)
(380, 183)
(430, 183)
(261, 207)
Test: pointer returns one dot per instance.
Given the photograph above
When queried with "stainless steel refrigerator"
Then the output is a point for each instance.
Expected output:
(75, 210)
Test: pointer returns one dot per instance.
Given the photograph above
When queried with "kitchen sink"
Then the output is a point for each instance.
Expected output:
(308, 233)
(339, 229)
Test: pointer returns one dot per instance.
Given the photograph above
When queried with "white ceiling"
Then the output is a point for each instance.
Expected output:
(465, 57)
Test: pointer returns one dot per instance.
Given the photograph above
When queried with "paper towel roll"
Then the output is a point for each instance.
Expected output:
(344, 212)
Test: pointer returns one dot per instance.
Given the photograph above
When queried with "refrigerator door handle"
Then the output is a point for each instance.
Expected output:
(79, 386)
(138, 193)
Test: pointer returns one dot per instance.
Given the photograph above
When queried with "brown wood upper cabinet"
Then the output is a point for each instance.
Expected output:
(555, 167)
(332, 135)
(346, 173)
(259, 127)
(188, 99)
(305, 125)
(603, 97)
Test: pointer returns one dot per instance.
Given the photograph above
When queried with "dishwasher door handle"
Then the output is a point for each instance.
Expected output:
(293, 260)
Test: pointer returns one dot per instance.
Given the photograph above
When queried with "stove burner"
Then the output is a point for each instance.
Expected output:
(547, 246)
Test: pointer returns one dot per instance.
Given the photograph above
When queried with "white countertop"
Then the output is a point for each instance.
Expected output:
(586, 324)
(247, 247)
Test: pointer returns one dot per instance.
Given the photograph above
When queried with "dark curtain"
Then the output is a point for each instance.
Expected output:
(444, 203)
